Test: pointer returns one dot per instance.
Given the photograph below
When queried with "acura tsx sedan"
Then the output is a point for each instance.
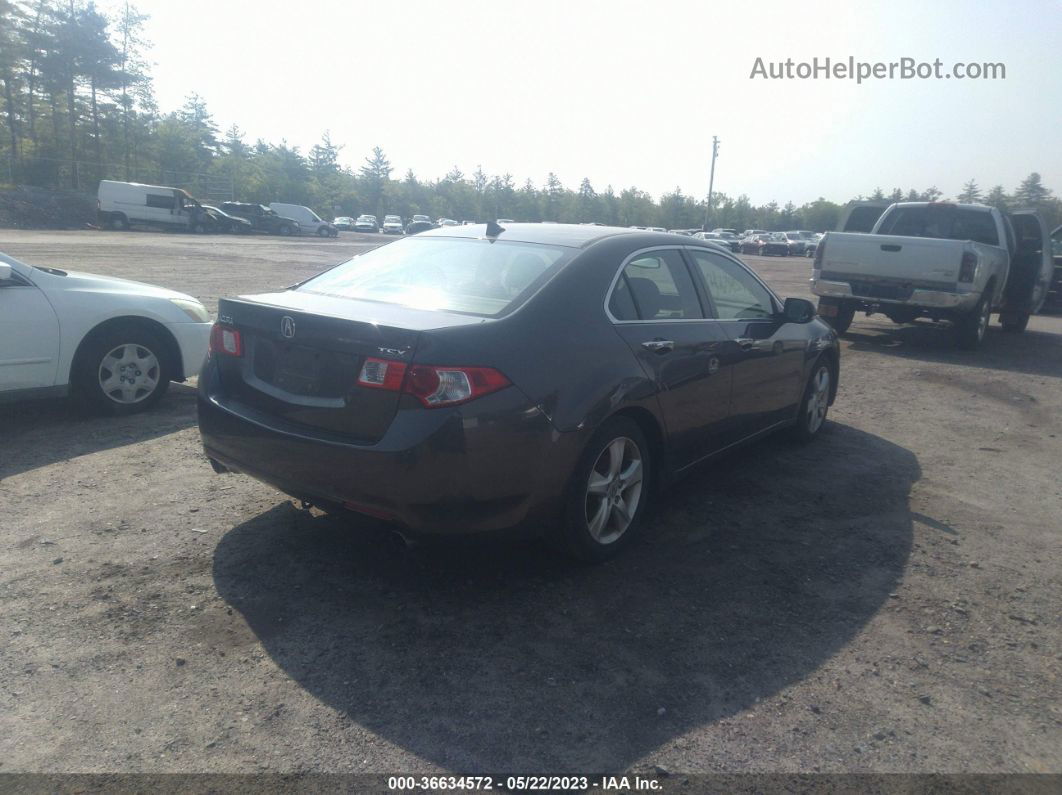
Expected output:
(479, 378)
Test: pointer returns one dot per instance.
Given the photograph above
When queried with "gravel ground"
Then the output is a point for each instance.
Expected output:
(885, 599)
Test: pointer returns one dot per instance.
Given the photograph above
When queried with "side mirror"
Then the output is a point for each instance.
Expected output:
(5, 271)
(798, 310)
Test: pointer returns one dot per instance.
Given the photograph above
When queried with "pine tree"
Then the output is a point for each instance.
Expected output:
(997, 197)
(971, 194)
(1031, 192)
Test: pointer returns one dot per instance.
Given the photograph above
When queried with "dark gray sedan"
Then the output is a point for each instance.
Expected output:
(544, 377)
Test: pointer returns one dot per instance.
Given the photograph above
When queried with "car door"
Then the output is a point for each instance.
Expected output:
(29, 335)
(656, 309)
(765, 352)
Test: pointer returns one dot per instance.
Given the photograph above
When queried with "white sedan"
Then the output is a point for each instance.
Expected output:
(114, 344)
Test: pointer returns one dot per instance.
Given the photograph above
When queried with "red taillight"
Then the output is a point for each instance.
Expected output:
(820, 250)
(226, 340)
(434, 386)
(968, 267)
(382, 374)
(448, 386)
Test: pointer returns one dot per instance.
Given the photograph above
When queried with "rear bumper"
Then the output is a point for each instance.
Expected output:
(934, 299)
(465, 470)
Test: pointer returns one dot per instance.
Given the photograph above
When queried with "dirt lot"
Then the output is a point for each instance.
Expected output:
(886, 599)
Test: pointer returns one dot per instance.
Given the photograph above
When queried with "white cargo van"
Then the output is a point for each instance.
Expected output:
(309, 222)
(120, 205)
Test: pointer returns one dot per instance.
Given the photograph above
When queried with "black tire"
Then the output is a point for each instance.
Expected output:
(119, 222)
(323, 231)
(94, 359)
(1014, 322)
(970, 328)
(575, 535)
(285, 231)
(810, 423)
(842, 320)
(199, 228)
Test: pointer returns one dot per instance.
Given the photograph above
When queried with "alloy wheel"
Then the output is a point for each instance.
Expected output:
(614, 490)
(818, 399)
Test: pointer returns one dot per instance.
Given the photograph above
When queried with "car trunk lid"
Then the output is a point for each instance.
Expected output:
(302, 355)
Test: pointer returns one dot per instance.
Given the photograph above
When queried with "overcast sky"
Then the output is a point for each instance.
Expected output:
(631, 93)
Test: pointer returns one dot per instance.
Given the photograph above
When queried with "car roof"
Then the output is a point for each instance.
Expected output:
(570, 235)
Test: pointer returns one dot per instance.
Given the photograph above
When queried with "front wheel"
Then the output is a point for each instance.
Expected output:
(1014, 322)
(608, 493)
(285, 231)
(123, 370)
(323, 231)
(816, 403)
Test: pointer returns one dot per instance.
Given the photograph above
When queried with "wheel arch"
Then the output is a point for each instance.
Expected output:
(654, 434)
(173, 350)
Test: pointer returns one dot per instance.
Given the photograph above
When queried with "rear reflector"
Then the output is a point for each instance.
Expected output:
(226, 340)
(382, 374)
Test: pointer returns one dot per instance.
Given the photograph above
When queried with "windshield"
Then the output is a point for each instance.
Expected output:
(473, 277)
(941, 221)
(394, 219)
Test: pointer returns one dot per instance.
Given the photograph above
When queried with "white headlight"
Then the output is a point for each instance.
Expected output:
(195, 310)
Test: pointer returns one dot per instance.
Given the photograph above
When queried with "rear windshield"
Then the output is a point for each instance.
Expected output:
(474, 277)
(941, 221)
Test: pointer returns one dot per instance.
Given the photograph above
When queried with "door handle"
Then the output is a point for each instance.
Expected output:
(659, 346)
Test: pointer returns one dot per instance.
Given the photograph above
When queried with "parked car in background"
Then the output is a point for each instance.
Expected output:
(392, 225)
(655, 229)
(504, 221)
(798, 242)
(111, 343)
(721, 230)
(1054, 296)
(221, 221)
(754, 232)
(366, 223)
(262, 218)
(344, 223)
(120, 205)
(730, 244)
(944, 261)
(753, 244)
(418, 224)
(439, 383)
(775, 244)
(812, 245)
(446, 222)
(310, 223)
(685, 232)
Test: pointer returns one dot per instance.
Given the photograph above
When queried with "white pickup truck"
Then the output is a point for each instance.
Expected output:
(944, 261)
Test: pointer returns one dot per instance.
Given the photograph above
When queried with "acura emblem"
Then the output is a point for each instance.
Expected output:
(287, 327)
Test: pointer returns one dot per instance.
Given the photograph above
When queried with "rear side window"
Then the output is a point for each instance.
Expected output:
(464, 275)
(655, 286)
(941, 221)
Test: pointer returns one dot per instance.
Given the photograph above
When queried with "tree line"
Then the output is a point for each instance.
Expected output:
(78, 106)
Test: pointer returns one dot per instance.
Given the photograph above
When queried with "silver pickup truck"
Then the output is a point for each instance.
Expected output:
(944, 261)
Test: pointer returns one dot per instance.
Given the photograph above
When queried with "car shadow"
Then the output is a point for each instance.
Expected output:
(36, 433)
(506, 656)
(1032, 352)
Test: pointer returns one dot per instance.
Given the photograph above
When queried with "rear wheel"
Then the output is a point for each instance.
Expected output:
(840, 321)
(970, 328)
(285, 230)
(122, 370)
(1014, 322)
(119, 222)
(608, 493)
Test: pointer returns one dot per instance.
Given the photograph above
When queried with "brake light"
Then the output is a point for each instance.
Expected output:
(382, 374)
(447, 386)
(225, 339)
(968, 267)
(432, 385)
(820, 251)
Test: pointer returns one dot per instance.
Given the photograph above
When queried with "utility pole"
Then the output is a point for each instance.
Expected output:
(711, 181)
